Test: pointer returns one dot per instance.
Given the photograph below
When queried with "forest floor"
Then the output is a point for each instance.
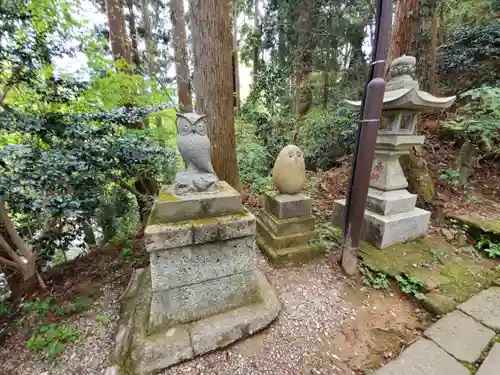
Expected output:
(328, 325)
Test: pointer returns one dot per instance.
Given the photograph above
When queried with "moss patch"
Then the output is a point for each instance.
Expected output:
(166, 196)
(479, 226)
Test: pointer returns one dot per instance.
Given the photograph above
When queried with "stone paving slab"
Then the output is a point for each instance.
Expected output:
(461, 336)
(423, 358)
(491, 365)
(485, 307)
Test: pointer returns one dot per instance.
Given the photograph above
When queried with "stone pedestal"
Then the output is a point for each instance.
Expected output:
(203, 290)
(286, 229)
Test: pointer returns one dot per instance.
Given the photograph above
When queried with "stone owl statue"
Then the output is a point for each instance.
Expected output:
(194, 146)
(289, 171)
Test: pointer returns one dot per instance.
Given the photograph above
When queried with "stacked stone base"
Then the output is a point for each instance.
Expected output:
(202, 291)
(390, 217)
(286, 229)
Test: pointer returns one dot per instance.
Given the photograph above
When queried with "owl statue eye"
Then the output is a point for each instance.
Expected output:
(298, 154)
(290, 155)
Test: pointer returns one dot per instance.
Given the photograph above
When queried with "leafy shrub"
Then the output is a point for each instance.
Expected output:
(52, 339)
(479, 120)
(490, 247)
(411, 285)
(253, 162)
(262, 184)
(326, 136)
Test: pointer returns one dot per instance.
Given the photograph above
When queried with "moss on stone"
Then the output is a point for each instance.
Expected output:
(487, 226)
(472, 368)
(166, 196)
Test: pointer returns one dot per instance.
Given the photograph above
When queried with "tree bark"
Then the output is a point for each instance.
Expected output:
(133, 33)
(405, 29)
(212, 43)
(256, 49)
(180, 55)
(432, 72)
(236, 62)
(303, 91)
(148, 39)
(120, 46)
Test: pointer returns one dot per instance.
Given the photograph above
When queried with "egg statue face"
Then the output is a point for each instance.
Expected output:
(289, 172)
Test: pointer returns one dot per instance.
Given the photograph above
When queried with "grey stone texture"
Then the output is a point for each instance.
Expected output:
(149, 353)
(390, 202)
(189, 303)
(461, 336)
(170, 207)
(197, 263)
(423, 358)
(485, 307)
(383, 231)
(286, 229)
(285, 206)
(491, 365)
(166, 236)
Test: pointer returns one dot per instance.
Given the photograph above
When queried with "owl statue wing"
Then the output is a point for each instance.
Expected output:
(203, 161)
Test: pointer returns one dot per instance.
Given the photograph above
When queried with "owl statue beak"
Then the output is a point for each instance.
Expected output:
(193, 131)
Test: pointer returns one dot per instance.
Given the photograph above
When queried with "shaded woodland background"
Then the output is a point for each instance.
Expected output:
(82, 154)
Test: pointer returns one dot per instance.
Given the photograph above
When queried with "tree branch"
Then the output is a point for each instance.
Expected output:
(129, 188)
(12, 264)
(10, 252)
(11, 230)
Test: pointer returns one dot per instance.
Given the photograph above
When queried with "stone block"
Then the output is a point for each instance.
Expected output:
(390, 202)
(285, 206)
(189, 303)
(281, 242)
(197, 263)
(423, 358)
(152, 353)
(485, 308)
(223, 329)
(383, 231)
(461, 336)
(491, 365)
(282, 227)
(296, 255)
(170, 207)
(199, 231)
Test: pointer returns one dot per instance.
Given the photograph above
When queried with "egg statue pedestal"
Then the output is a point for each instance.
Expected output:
(391, 216)
(286, 229)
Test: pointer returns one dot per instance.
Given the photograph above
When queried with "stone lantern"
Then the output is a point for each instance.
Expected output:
(390, 215)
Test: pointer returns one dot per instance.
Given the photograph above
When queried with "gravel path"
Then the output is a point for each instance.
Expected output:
(313, 313)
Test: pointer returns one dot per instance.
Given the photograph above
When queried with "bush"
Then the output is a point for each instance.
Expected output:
(253, 162)
(326, 136)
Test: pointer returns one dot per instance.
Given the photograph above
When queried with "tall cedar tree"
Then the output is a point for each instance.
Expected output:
(180, 55)
(120, 46)
(212, 44)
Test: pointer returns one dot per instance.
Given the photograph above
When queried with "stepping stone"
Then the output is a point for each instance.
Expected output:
(485, 307)
(491, 365)
(423, 358)
(461, 336)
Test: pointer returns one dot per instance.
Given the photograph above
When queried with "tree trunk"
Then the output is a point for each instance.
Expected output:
(133, 33)
(256, 49)
(432, 72)
(212, 43)
(120, 46)
(148, 38)
(180, 55)
(405, 29)
(303, 91)
(236, 62)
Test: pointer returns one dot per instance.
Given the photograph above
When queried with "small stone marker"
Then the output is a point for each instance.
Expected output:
(423, 358)
(491, 365)
(485, 307)
(461, 336)
(285, 227)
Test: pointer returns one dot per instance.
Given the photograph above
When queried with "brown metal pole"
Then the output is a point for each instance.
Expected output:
(371, 111)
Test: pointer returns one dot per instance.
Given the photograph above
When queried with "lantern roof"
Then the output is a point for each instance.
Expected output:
(402, 90)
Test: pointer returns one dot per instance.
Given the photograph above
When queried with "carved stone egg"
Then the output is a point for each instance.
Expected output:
(289, 172)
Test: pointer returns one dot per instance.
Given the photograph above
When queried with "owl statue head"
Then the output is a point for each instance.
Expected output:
(191, 123)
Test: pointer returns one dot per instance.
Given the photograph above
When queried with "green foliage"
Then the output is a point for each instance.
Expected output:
(262, 184)
(126, 251)
(491, 247)
(52, 339)
(411, 285)
(450, 176)
(375, 280)
(326, 136)
(479, 120)
(253, 162)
